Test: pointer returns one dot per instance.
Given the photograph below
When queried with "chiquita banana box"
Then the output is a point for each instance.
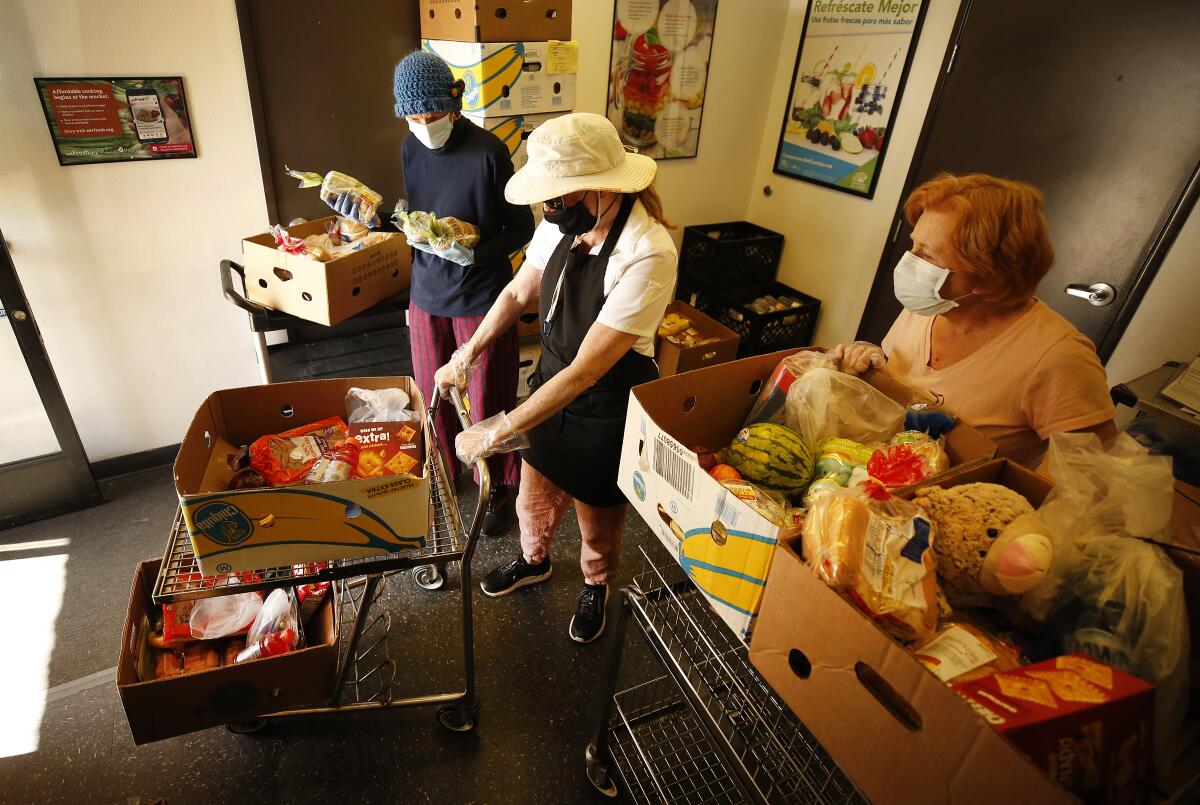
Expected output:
(239, 529)
(513, 132)
(720, 542)
(502, 79)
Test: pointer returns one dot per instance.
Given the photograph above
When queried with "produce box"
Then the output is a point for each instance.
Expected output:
(513, 132)
(164, 708)
(719, 540)
(1088, 726)
(495, 20)
(512, 78)
(899, 732)
(673, 359)
(325, 293)
(249, 529)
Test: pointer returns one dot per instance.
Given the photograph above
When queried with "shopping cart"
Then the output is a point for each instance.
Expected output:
(366, 670)
(684, 717)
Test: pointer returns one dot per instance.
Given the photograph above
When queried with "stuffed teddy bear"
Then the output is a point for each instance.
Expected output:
(989, 542)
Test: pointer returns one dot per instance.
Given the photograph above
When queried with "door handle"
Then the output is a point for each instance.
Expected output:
(1098, 293)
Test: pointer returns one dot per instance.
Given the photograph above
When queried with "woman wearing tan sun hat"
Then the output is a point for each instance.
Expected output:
(603, 269)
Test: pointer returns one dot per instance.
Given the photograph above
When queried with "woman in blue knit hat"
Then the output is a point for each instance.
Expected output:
(453, 168)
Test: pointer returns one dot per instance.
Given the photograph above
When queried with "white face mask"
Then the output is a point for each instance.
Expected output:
(433, 135)
(917, 284)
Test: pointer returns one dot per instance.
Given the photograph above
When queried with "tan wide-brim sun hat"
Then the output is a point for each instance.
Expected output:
(579, 151)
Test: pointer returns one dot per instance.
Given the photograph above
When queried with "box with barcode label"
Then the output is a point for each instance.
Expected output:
(503, 79)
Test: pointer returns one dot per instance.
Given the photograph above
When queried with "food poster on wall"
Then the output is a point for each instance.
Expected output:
(850, 70)
(116, 119)
(657, 74)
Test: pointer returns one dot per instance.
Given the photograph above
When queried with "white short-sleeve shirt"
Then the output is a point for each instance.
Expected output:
(639, 280)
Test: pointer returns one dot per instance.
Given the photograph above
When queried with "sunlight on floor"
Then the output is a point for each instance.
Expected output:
(31, 594)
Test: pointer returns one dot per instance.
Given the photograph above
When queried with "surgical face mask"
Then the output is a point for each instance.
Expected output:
(573, 220)
(432, 135)
(917, 284)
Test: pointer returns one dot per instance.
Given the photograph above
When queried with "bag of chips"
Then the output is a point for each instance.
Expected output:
(285, 458)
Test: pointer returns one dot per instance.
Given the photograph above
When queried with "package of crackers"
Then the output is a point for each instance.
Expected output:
(1086, 724)
(388, 448)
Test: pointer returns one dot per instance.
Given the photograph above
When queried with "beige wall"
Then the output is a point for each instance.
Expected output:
(120, 261)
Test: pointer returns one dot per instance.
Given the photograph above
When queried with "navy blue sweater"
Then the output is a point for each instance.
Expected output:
(465, 179)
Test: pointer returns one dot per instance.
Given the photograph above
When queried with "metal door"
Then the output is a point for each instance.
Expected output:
(43, 468)
(1099, 106)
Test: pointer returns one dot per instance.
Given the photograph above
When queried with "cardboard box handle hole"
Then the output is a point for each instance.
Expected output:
(262, 283)
(356, 291)
(756, 387)
(799, 663)
(282, 273)
(501, 13)
(431, 13)
(551, 14)
(557, 88)
(718, 533)
(286, 410)
(458, 13)
(689, 404)
(888, 696)
(306, 296)
(353, 510)
(504, 92)
(708, 356)
(207, 439)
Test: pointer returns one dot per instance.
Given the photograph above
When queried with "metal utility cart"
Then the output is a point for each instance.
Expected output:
(701, 725)
(366, 670)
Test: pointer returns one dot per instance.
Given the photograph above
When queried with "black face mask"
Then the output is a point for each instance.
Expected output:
(573, 220)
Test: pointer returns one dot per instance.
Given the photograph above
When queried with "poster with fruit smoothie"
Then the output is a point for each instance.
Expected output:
(850, 70)
(116, 119)
(657, 74)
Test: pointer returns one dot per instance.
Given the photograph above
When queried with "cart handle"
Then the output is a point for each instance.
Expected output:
(481, 465)
(231, 293)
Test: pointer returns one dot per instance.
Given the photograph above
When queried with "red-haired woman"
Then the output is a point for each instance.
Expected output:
(973, 334)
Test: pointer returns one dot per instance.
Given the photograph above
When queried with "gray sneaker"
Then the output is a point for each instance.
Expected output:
(514, 575)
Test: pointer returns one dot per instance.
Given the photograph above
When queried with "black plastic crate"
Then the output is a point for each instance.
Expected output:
(736, 254)
(699, 297)
(768, 332)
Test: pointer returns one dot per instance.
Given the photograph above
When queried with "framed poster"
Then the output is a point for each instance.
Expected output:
(850, 70)
(116, 119)
(658, 69)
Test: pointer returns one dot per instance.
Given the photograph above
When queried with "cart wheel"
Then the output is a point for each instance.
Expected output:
(429, 577)
(598, 774)
(457, 718)
(247, 727)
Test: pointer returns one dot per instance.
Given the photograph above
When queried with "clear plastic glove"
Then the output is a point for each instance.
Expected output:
(457, 372)
(347, 206)
(455, 252)
(487, 438)
(858, 357)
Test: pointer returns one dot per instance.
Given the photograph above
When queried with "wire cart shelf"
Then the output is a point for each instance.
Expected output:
(366, 671)
(709, 729)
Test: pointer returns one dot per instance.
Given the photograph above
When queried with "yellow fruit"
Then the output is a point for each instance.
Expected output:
(850, 143)
(866, 75)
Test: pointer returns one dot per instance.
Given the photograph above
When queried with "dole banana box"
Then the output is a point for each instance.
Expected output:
(503, 79)
(250, 529)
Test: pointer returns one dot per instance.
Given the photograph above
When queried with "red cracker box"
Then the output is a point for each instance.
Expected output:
(1088, 726)
(388, 448)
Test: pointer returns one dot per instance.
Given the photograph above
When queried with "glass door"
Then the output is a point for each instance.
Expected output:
(43, 468)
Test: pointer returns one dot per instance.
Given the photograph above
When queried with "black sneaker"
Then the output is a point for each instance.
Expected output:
(514, 575)
(588, 622)
(498, 515)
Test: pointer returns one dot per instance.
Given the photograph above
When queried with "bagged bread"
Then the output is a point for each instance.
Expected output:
(879, 554)
(963, 651)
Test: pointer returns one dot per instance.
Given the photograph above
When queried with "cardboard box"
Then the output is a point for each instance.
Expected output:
(673, 359)
(495, 20)
(899, 732)
(1088, 726)
(512, 78)
(513, 132)
(325, 293)
(164, 708)
(722, 543)
(249, 529)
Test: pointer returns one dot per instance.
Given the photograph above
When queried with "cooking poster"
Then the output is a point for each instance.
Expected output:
(657, 73)
(850, 70)
(116, 119)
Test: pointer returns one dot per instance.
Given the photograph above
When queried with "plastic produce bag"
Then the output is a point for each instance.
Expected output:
(276, 629)
(825, 403)
(224, 615)
(439, 233)
(379, 405)
(770, 405)
(336, 183)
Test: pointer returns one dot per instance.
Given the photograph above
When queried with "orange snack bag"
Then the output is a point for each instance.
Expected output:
(285, 458)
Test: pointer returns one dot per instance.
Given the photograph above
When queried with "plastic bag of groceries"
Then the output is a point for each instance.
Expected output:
(336, 183)
(379, 405)
(276, 630)
(771, 402)
(825, 403)
(224, 615)
(439, 233)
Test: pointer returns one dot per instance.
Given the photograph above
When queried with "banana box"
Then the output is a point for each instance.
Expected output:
(250, 529)
(724, 545)
(503, 79)
(513, 132)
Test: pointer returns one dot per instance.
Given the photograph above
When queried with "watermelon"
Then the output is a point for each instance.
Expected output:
(772, 456)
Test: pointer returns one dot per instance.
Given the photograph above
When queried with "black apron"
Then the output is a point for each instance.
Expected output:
(579, 447)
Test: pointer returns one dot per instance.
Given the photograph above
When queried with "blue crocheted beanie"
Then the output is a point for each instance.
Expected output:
(423, 84)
